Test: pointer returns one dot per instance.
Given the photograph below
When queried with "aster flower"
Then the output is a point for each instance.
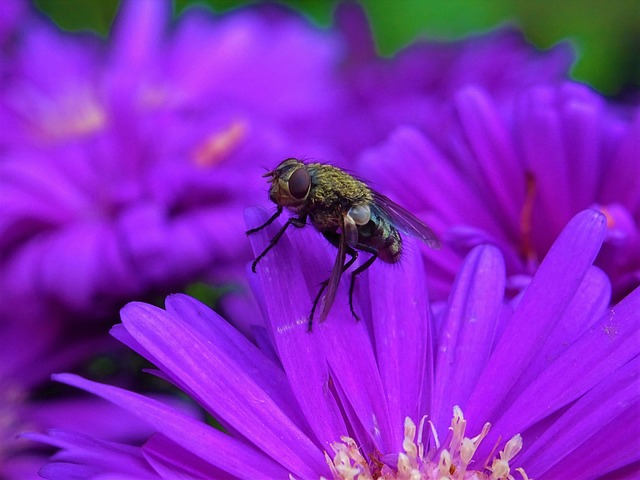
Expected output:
(129, 164)
(124, 172)
(413, 86)
(512, 173)
(553, 372)
(11, 13)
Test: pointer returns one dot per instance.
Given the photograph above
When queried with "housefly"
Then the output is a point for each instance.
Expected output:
(348, 213)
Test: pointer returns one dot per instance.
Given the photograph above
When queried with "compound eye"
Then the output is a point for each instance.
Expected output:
(299, 183)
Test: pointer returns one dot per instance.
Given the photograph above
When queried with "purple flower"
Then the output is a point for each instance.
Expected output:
(11, 12)
(554, 371)
(128, 165)
(512, 173)
(125, 167)
(417, 84)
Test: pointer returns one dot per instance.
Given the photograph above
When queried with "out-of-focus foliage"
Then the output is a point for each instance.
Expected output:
(606, 33)
(319, 11)
(89, 15)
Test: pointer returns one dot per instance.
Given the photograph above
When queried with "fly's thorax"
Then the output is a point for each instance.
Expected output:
(335, 189)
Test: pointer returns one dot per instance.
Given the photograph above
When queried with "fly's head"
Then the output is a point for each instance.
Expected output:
(290, 184)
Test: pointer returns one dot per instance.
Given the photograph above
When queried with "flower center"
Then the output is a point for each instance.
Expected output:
(439, 462)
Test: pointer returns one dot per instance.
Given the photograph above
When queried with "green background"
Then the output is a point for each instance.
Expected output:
(606, 33)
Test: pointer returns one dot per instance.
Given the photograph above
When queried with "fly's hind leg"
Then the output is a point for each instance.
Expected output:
(323, 285)
(334, 239)
(358, 271)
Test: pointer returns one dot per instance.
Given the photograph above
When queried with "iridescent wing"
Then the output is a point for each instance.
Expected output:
(403, 220)
(336, 273)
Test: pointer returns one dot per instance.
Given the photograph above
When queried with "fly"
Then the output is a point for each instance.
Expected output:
(348, 213)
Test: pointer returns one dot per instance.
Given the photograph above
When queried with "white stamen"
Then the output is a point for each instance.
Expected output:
(437, 463)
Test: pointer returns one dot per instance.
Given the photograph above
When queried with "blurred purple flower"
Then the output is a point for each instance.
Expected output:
(11, 13)
(413, 87)
(555, 370)
(512, 173)
(124, 170)
(129, 164)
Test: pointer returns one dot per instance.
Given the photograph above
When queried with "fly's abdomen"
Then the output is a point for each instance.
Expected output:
(382, 236)
(392, 247)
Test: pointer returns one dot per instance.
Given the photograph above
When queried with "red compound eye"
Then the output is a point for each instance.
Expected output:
(299, 183)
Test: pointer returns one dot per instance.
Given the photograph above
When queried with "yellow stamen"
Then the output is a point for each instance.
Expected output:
(611, 221)
(220, 144)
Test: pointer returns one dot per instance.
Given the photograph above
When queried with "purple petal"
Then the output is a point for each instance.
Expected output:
(605, 347)
(348, 351)
(71, 277)
(288, 304)
(583, 125)
(616, 458)
(171, 460)
(469, 331)
(137, 34)
(545, 156)
(202, 440)
(102, 454)
(423, 163)
(23, 467)
(210, 372)
(90, 415)
(493, 153)
(400, 316)
(462, 238)
(590, 302)
(73, 471)
(143, 239)
(340, 343)
(11, 12)
(546, 298)
(619, 183)
(580, 431)
(247, 357)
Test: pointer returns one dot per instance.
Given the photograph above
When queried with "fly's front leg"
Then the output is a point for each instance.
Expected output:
(298, 222)
(267, 223)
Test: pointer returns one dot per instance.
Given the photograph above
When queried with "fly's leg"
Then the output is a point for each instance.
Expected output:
(267, 223)
(358, 271)
(323, 285)
(295, 221)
